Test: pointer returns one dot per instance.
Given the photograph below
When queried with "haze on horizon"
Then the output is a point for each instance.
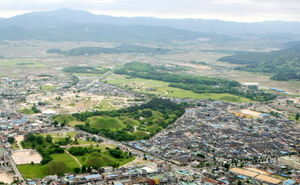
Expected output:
(228, 10)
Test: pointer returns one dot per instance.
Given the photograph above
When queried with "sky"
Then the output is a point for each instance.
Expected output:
(229, 10)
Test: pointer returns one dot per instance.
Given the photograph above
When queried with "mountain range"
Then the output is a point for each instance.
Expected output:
(69, 17)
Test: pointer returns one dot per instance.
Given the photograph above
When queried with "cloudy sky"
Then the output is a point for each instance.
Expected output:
(231, 10)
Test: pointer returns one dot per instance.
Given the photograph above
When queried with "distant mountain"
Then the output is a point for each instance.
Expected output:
(70, 17)
(108, 33)
(285, 63)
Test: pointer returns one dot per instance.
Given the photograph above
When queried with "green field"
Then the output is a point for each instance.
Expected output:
(20, 63)
(116, 80)
(48, 87)
(180, 93)
(106, 122)
(39, 171)
(32, 171)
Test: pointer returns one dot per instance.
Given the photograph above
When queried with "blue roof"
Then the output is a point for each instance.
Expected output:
(291, 181)
(94, 176)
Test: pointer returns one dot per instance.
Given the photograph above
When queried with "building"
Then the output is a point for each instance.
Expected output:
(292, 161)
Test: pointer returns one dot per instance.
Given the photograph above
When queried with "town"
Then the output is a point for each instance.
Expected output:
(213, 142)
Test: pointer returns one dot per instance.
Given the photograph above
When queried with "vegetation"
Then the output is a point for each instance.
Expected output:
(84, 69)
(156, 115)
(196, 84)
(56, 167)
(124, 48)
(284, 63)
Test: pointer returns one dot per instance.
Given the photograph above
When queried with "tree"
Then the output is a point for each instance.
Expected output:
(39, 139)
(49, 138)
(63, 124)
(297, 116)
(55, 123)
(77, 170)
(32, 162)
(83, 169)
(240, 182)
(11, 139)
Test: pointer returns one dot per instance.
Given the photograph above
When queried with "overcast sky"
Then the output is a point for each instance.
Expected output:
(231, 10)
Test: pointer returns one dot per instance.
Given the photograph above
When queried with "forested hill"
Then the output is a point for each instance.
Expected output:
(108, 33)
(285, 63)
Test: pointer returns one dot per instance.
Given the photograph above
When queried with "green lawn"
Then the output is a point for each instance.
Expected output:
(32, 171)
(106, 122)
(39, 171)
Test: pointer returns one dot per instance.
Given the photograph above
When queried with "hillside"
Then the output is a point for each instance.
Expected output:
(285, 63)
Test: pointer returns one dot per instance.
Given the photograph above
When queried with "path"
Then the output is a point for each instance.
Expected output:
(74, 158)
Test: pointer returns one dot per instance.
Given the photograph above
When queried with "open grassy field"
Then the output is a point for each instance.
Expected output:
(32, 171)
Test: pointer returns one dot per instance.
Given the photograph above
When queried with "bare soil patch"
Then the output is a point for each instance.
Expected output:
(26, 156)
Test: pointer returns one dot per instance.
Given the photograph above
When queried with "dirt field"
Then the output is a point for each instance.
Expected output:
(250, 112)
(269, 179)
(24, 157)
(244, 172)
(5, 177)
(259, 171)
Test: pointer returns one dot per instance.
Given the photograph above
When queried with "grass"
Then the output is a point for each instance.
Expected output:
(48, 87)
(105, 159)
(140, 134)
(106, 122)
(39, 171)
(81, 142)
(26, 111)
(131, 122)
(32, 171)
(66, 117)
(180, 93)
(65, 157)
(61, 134)
(116, 80)
(105, 105)
(75, 122)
